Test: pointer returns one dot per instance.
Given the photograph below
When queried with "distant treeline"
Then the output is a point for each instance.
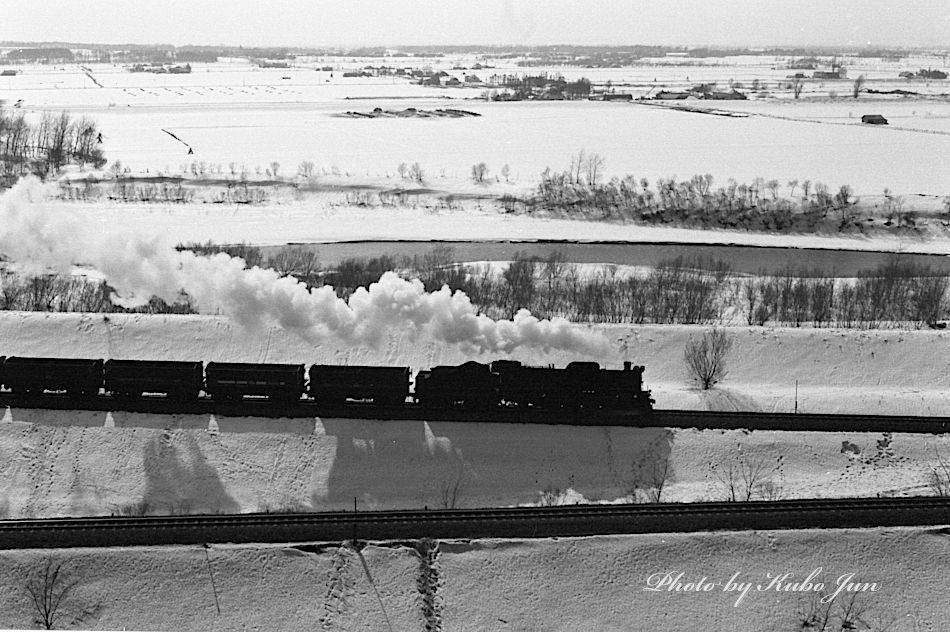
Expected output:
(584, 55)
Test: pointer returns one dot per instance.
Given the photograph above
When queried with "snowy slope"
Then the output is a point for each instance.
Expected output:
(564, 584)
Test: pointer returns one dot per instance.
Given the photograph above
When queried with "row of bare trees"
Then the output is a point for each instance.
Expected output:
(57, 293)
(897, 293)
(45, 146)
(759, 205)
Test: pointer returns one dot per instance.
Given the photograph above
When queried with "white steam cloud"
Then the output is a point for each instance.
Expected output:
(139, 267)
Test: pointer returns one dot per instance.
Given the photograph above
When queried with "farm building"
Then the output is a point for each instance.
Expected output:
(874, 119)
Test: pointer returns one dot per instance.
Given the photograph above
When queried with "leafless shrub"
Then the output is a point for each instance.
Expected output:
(450, 491)
(745, 476)
(49, 588)
(769, 490)
(135, 509)
(706, 358)
(479, 171)
(550, 496)
(938, 478)
(829, 612)
(815, 613)
(650, 479)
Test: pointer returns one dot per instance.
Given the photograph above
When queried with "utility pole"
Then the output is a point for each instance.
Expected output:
(796, 397)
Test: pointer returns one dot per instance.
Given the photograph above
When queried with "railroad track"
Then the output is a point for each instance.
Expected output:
(535, 522)
(657, 418)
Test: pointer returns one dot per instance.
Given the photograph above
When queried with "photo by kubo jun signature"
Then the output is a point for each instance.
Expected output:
(772, 582)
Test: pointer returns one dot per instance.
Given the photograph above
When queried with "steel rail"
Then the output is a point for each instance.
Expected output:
(528, 522)
(578, 417)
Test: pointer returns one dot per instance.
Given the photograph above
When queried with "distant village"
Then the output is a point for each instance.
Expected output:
(158, 68)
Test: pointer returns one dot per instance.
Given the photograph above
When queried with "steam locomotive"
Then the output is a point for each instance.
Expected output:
(470, 385)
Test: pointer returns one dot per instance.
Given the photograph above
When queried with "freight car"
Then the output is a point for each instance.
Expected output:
(35, 376)
(135, 378)
(383, 385)
(235, 380)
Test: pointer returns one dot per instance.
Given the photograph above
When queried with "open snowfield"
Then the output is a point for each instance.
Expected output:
(239, 113)
(319, 221)
(69, 463)
(565, 584)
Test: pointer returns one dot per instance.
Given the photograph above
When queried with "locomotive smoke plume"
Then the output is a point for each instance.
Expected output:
(139, 267)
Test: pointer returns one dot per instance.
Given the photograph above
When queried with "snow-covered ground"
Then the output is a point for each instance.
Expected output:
(565, 584)
(75, 463)
(68, 463)
(235, 112)
(316, 221)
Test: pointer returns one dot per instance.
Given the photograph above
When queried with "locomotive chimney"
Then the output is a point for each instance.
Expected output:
(626, 365)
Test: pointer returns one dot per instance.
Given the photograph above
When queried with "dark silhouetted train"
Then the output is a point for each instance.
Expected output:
(469, 385)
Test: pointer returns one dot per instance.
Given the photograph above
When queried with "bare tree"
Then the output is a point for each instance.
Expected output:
(592, 168)
(574, 171)
(745, 476)
(479, 171)
(706, 358)
(450, 490)
(938, 479)
(520, 277)
(650, 479)
(416, 173)
(506, 172)
(305, 169)
(299, 261)
(48, 589)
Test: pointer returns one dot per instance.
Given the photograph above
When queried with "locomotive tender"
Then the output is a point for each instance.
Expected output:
(503, 383)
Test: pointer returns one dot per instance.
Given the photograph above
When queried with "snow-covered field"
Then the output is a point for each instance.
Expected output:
(238, 113)
(565, 584)
(316, 222)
